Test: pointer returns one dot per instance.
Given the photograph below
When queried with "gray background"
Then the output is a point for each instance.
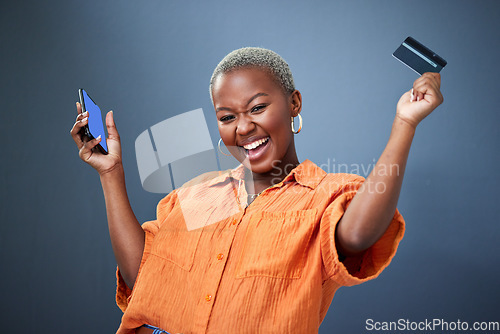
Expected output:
(150, 60)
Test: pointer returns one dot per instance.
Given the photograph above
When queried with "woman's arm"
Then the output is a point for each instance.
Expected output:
(371, 210)
(127, 235)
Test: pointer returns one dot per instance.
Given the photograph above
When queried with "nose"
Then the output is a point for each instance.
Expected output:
(245, 125)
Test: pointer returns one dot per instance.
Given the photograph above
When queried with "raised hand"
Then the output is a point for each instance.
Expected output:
(88, 153)
(421, 100)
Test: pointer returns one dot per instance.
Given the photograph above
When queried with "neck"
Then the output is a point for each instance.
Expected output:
(258, 182)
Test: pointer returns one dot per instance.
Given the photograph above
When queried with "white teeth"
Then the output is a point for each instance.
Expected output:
(255, 144)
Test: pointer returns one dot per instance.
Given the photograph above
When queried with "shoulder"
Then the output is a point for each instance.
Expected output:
(342, 178)
(190, 193)
(205, 177)
(322, 177)
(326, 185)
(197, 182)
(334, 185)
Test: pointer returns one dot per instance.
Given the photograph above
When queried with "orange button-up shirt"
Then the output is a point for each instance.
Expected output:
(211, 264)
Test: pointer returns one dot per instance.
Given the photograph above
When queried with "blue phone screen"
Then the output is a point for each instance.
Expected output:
(96, 127)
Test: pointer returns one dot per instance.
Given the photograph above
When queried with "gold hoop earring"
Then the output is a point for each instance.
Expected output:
(300, 125)
(220, 150)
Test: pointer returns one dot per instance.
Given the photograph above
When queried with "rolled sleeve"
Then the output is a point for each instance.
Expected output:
(370, 263)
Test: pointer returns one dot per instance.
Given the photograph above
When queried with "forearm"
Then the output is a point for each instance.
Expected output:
(127, 235)
(371, 210)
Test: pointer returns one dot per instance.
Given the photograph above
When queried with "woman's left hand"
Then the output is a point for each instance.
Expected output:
(421, 100)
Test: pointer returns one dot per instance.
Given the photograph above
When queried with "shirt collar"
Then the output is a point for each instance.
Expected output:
(306, 174)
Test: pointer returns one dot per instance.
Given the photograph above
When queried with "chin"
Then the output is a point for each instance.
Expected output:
(261, 167)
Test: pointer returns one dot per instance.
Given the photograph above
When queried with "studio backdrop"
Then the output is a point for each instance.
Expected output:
(150, 61)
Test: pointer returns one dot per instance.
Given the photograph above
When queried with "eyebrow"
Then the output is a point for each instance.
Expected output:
(250, 100)
(256, 96)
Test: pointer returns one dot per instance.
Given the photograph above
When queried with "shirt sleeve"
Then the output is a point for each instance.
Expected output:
(123, 292)
(370, 263)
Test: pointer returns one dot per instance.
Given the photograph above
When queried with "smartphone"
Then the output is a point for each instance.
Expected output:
(418, 57)
(95, 126)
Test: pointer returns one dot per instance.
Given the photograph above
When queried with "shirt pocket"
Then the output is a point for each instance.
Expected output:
(275, 244)
(175, 242)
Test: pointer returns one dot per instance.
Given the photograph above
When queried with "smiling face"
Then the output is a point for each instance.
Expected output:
(253, 114)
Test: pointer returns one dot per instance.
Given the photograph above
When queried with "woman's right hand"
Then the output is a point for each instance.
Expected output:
(127, 235)
(103, 163)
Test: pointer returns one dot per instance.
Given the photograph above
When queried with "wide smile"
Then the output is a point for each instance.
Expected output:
(256, 149)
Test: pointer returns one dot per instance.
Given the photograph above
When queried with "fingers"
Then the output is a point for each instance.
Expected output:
(433, 79)
(435, 76)
(111, 127)
(76, 131)
(87, 146)
(86, 149)
(82, 116)
(427, 87)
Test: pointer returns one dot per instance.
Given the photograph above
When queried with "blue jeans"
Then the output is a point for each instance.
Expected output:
(156, 330)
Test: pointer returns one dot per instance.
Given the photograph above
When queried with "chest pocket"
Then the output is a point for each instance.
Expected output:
(175, 242)
(275, 244)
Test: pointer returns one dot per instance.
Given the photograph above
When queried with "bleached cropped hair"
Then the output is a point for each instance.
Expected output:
(256, 57)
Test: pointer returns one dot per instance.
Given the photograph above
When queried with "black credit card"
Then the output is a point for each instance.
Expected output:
(418, 57)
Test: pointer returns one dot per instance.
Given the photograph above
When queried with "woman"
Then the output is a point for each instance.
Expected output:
(263, 247)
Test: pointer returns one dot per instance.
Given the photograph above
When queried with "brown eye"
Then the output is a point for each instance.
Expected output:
(226, 118)
(258, 108)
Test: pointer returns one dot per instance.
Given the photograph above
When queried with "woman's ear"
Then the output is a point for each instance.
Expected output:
(296, 103)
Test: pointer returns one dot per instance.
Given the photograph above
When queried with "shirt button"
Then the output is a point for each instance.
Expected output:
(208, 298)
(220, 256)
